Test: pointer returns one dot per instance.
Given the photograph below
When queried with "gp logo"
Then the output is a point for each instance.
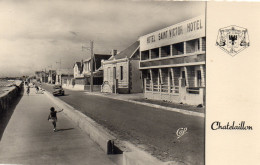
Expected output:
(180, 132)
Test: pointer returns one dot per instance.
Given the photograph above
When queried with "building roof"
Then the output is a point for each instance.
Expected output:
(65, 72)
(99, 56)
(79, 65)
(128, 52)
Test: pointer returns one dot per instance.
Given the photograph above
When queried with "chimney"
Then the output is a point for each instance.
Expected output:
(113, 52)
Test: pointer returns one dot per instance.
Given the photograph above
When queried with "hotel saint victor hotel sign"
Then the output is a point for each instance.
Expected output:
(184, 31)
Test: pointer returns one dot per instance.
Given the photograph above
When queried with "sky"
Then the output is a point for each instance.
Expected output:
(37, 35)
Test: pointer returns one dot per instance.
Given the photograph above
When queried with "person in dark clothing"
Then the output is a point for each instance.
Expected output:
(53, 117)
(28, 90)
(37, 88)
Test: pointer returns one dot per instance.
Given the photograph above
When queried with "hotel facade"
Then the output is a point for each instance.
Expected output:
(172, 61)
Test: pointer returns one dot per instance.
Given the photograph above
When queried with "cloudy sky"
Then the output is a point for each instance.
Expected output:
(34, 35)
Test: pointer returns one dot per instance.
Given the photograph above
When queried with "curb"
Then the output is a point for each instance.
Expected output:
(186, 112)
(96, 132)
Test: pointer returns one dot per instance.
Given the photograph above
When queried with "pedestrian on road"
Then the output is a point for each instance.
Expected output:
(28, 90)
(53, 117)
(37, 88)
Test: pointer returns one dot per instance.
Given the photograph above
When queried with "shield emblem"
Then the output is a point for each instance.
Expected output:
(232, 39)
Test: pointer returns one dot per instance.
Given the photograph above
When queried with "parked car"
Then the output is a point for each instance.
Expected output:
(58, 90)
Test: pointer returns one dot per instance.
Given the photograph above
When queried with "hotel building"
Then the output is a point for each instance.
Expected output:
(173, 62)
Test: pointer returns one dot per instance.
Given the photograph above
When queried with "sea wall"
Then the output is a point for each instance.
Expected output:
(8, 97)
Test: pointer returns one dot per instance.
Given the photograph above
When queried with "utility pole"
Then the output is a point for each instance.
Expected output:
(59, 63)
(91, 63)
(51, 73)
(59, 77)
(45, 75)
(68, 82)
(91, 67)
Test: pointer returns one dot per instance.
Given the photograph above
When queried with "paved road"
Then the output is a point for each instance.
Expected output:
(152, 128)
(29, 138)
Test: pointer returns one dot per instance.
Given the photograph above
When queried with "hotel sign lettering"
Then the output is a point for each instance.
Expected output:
(184, 31)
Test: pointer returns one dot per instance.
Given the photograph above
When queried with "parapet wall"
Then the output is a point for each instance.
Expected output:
(8, 98)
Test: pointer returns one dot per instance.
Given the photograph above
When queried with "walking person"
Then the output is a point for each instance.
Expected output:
(28, 90)
(37, 88)
(53, 117)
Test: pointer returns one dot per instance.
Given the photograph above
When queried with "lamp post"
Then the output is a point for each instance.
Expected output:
(91, 67)
(59, 76)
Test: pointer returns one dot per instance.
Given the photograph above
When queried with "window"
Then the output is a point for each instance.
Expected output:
(178, 48)
(148, 75)
(183, 74)
(192, 46)
(121, 73)
(108, 73)
(198, 44)
(114, 73)
(199, 78)
(145, 55)
(183, 82)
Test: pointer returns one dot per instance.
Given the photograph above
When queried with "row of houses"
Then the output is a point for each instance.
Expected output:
(168, 64)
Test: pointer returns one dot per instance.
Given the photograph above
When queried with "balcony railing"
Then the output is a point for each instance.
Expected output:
(174, 60)
(161, 88)
(193, 90)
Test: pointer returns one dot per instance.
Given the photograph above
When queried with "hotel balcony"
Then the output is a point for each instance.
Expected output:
(196, 58)
(192, 52)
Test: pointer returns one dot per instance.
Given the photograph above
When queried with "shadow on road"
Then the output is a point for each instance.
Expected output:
(66, 129)
(7, 114)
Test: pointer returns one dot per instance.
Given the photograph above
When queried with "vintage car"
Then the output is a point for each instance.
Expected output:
(58, 90)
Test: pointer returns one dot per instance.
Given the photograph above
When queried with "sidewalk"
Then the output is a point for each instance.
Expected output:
(29, 138)
(75, 88)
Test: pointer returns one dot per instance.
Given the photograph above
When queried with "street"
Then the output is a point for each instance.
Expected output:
(150, 128)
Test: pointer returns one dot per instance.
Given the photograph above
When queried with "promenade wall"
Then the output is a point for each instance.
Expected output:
(7, 98)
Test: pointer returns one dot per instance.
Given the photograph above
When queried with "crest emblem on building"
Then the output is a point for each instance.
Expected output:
(233, 39)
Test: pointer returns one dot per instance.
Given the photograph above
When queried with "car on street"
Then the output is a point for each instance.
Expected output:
(58, 90)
